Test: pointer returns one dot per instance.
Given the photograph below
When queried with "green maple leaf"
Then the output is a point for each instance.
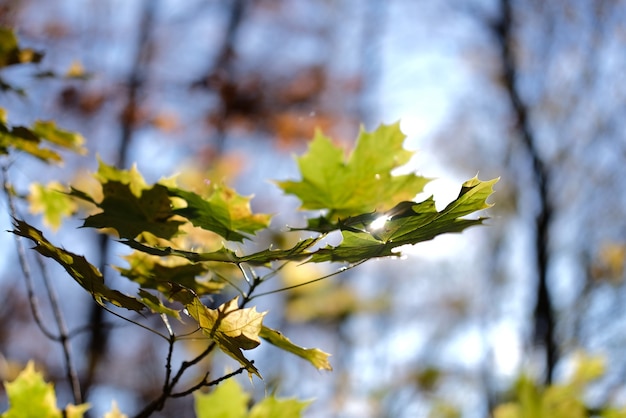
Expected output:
(272, 407)
(410, 223)
(233, 329)
(31, 397)
(362, 183)
(52, 202)
(315, 356)
(224, 212)
(228, 400)
(85, 274)
(130, 206)
(172, 280)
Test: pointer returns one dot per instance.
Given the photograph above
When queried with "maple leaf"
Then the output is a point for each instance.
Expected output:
(228, 400)
(315, 356)
(51, 201)
(224, 212)
(362, 183)
(410, 223)
(171, 279)
(232, 328)
(130, 206)
(77, 266)
(30, 396)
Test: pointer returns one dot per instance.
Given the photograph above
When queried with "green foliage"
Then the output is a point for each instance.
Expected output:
(565, 400)
(31, 397)
(155, 219)
(174, 272)
(51, 201)
(37, 139)
(230, 401)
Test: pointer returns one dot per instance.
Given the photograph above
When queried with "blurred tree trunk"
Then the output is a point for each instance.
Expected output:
(543, 315)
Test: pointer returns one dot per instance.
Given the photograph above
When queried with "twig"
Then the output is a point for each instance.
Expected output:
(282, 289)
(64, 336)
(168, 387)
(206, 383)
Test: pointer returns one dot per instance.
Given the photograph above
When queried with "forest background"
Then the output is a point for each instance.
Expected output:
(526, 90)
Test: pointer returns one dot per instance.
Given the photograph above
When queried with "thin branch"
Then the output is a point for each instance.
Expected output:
(21, 255)
(341, 270)
(205, 382)
(168, 387)
(64, 336)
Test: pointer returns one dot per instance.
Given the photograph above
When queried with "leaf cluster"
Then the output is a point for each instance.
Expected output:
(356, 194)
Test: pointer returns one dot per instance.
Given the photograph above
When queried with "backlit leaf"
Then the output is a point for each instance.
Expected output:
(52, 201)
(174, 280)
(115, 412)
(129, 206)
(70, 140)
(410, 223)
(78, 268)
(233, 329)
(272, 407)
(227, 400)
(362, 183)
(30, 396)
(315, 356)
(224, 212)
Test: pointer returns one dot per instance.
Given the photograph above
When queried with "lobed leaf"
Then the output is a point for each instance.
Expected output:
(30, 396)
(51, 201)
(272, 407)
(228, 400)
(410, 223)
(232, 328)
(362, 183)
(130, 206)
(85, 274)
(224, 212)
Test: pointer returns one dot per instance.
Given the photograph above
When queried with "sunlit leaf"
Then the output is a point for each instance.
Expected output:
(174, 280)
(115, 412)
(410, 223)
(227, 400)
(10, 51)
(315, 356)
(362, 183)
(233, 329)
(78, 268)
(33, 140)
(77, 411)
(70, 140)
(129, 206)
(51, 201)
(224, 212)
(272, 407)
(30, 396)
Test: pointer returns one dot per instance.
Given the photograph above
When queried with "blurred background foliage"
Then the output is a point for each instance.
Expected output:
(531, 91)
